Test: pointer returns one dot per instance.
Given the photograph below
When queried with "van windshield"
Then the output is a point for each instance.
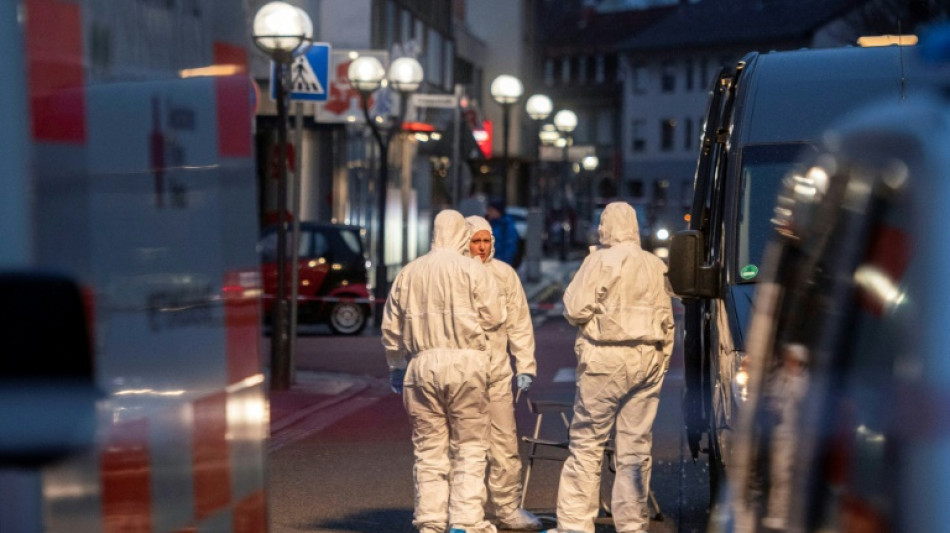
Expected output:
(763, 168)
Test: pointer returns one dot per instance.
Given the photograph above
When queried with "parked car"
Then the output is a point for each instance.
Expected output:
(332, 275)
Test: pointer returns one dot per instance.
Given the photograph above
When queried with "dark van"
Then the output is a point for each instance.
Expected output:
(764, 114)
(846, 426)
(332, 276)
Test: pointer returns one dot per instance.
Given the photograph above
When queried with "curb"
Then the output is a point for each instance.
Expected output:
(357, 387)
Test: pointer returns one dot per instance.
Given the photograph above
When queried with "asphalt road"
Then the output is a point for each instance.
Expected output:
(347, 467)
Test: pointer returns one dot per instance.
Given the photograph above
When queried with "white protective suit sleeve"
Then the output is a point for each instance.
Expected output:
(441, 280)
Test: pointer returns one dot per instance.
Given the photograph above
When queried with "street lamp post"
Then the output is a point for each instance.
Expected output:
(590, 164)
(366, 75)
(548, 136)
(565, 121)
(539, 107)
(281, 31)
(505, 90)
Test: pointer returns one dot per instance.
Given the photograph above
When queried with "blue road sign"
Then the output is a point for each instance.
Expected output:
(309, 75)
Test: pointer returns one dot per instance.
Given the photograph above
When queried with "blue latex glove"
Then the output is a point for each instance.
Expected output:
(524, 382)
(396, 377)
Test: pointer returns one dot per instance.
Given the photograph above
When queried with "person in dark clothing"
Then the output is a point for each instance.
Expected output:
(504, 231)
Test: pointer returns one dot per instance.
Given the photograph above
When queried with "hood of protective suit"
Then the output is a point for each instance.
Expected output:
(618, 223)
(449, 231)
(476, 224)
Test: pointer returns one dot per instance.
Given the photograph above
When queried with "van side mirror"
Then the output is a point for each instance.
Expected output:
(689, 277)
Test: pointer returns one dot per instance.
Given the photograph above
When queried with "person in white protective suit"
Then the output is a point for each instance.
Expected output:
(434, 330)
(620, 302)
(517, 336)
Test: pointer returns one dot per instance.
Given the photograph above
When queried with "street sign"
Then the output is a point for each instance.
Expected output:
(343, 104)
(434, 100)
(309, 75)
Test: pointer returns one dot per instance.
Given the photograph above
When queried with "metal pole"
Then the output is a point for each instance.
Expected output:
(457, 149)
(563, 194)
(505, 120)
(382, 281)
(295, 240)
(280, 359)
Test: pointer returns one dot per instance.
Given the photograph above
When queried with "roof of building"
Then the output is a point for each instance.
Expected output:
(592, 30)
(735, 22)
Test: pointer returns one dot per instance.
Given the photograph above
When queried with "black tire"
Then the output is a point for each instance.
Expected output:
(347, 318)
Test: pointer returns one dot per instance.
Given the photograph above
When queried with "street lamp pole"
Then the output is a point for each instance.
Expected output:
(281, 31)
(590, 164)
(505, 90)
(366, 75)
(539, 107)
(565, 121)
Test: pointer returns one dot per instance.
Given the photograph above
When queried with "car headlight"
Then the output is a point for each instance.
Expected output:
(662, 234)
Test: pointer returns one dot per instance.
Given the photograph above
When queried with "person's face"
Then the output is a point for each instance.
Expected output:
(480, 245)
(491, 213)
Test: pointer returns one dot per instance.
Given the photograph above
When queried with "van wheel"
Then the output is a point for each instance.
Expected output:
(347, 318)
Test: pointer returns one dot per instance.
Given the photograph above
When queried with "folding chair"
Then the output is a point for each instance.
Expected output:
(538, 445)
(539, 408)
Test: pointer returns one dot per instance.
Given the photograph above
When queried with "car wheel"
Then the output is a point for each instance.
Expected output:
(347, 318)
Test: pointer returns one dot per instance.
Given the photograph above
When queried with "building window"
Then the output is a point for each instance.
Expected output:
(638, 78)
(667, 77)
(686, 193)
(591, 72)
(405, 25)
(688, 67)
(549, 67)
(610, 68)
(635, 188)
(704, 73)
(582, 62)
(667, 131)
(660, 188)
(639, 143)
(565, 70)
(582, 133)
(688, 134)
(605, 128)
(599, 68)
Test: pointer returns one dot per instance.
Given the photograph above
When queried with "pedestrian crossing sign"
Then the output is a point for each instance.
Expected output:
(309, 75)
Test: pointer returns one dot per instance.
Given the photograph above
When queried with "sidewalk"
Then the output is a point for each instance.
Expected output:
(292, 412)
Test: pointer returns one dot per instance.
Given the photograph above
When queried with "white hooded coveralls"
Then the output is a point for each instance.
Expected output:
(517, 336)
(620, 301)
(439, 309)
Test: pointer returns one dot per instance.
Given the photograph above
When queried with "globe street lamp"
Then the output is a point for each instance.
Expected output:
(281, 31)
(565, 121)
(366, 75)
(505, 90)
